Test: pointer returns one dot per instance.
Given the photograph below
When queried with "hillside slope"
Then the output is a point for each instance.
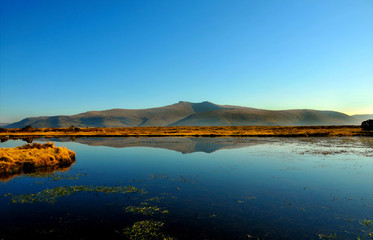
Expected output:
(194, 114)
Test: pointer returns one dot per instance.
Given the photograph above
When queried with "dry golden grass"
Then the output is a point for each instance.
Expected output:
(33, 157)
(219, 131)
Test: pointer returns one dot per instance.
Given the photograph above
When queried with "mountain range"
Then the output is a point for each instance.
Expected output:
(194, 114)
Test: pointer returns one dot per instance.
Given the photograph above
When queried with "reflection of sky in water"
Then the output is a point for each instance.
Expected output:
(266, 188)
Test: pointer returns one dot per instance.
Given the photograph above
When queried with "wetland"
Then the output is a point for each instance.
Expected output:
(196, 188)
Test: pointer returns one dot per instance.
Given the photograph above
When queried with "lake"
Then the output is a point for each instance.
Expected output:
(196, 188)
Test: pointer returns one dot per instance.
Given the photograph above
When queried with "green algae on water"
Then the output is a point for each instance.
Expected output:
(327, 236)
(57, 177)
(366, 223)
(145, 209)
(51, 195)
(154, 199)
(368, 227)
(145, 230)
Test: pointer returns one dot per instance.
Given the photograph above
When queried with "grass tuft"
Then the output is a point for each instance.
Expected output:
(33, 157)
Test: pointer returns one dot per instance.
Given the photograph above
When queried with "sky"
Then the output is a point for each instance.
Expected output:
(65, 57)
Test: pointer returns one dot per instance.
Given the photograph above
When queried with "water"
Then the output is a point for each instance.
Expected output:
(200, 188)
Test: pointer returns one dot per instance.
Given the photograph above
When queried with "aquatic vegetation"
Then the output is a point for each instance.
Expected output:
(55, 176)
(366, 223)
(51, 195)
(6, 195)
(327, 236)
(145, 209)
(154, 199)
(208, 210)
(334, 146)
(181, 178)
(368, 227)
(32, 157)
(146, 230)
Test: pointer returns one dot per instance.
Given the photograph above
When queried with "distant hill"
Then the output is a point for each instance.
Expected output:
(362, 117)
(194, 114)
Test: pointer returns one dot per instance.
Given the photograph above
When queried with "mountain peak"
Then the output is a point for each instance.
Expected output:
(205, 106)
(196, 103)
(202, 106)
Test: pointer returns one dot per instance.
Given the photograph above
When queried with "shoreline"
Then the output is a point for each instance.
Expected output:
(218, 131)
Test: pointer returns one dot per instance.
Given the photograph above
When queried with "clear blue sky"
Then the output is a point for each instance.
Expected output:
(66, 57)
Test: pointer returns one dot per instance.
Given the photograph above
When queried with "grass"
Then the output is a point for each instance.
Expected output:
(33, 158)
(217, 131)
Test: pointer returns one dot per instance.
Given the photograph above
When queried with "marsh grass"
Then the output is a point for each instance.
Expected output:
(211, 131)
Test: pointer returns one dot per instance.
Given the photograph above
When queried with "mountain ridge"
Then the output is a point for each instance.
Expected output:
(186, 113)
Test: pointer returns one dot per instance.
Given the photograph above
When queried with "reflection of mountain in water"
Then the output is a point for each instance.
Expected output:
(325, 146)
(179, 144)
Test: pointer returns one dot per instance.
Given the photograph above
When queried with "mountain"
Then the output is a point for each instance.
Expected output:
(194, 114)
(361, 117)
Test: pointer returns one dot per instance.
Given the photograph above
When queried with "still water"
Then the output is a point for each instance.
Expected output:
(196, 188)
